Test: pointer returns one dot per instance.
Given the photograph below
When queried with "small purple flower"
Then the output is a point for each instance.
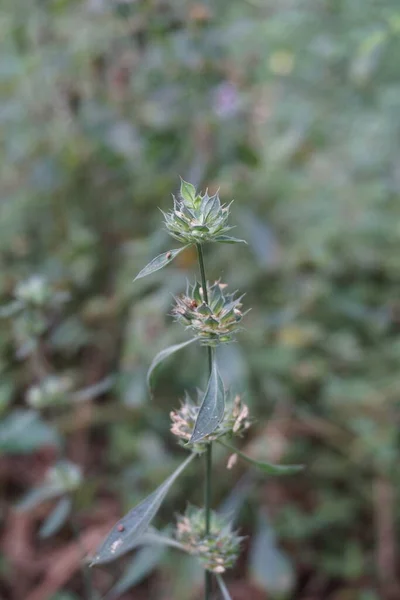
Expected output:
(226, 100)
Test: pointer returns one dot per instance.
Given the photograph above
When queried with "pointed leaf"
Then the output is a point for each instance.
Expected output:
(155, 538)
(212, 207)
(141, 565)
(224, 590)
(56, 518)
(10, 309)
(227, 239)
(159, 262)
(270, 567)
(144, 560)
(188, 192)
(268, 468)
(212, 408)
(125, 534)
(165, 354)
(37, 496)
(23, 431)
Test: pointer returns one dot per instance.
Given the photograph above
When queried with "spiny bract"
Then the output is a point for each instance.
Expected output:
(213, 322)
(219, 549)
(235, 422)
(196, 218)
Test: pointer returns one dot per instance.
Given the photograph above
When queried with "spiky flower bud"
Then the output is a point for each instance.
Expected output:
(213, 322)
(218, 550)
(235, 422)
(196, 218)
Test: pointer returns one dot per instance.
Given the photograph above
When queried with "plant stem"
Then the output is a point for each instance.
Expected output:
(208, 456)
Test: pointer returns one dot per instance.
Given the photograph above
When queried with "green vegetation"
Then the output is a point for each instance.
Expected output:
(293, 110)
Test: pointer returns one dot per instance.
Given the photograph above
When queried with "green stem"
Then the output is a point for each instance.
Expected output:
(208, 456)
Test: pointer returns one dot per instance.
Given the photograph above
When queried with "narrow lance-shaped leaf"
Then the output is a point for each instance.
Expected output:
(125, 534)
(165, 354)
(224, 590)
(37, 496)
(56, 518)
(159, 262)
(227, 239)
(142, 564)
(270, 568)
(264, 466)
(212, 408)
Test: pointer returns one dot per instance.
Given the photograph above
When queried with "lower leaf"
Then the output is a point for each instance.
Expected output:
(126, 533)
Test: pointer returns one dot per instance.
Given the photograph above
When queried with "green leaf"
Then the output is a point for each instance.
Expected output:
(10, 309)
(154, 537)
(159, 262)
(165, 354)
(125, 534)
(144, 561)
(270, 568)
(60, 479)
(224, 590)
(37, 496)
(232, 504)
(142, 564)
(56, 518)
(268, 468)
(23, 431)
(263, 241)
(188, 192)
(212, 408)
(227, 239)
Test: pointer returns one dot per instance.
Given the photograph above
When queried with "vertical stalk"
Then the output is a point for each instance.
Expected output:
(208, 454)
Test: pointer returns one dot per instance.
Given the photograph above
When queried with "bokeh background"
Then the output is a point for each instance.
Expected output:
(292, 108)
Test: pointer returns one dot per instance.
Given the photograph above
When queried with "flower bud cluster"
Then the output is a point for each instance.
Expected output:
(214, 321)
(236, 421)
(196, 219)
(219, 549)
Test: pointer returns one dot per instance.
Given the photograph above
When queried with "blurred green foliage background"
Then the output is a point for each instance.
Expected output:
(292, 108)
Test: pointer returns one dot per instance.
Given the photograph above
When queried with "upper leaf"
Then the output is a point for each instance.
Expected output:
(188, 192)
(163, 355)
(124, 535)
(268, 468)
(159, 262)
(212, 408)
